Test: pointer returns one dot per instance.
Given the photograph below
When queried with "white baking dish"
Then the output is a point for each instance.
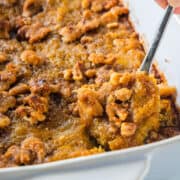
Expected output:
(155, 161)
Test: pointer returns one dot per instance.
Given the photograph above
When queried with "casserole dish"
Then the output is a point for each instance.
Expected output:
(70, 167)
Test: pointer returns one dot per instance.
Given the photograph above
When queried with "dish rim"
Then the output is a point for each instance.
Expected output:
(66, 162)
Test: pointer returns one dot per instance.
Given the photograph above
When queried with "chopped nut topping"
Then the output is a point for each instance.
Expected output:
(3, 57)
(112, 25)
(29, 114)
(32, 7)
(31, 147)
(19, 89)
(13, 154)
(115, 112)
(34, 33)
(85, 3)
(77, 71)
(37, 102)
(4, 121)
(90, 73)
(31, 58)
(128, 129)
(123, 94)
(6, 102)
(88, 105)
(68, 74)
(115, 78)
(166, 91)
(113, 14)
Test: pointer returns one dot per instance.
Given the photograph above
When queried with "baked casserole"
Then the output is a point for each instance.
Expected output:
(69, 84)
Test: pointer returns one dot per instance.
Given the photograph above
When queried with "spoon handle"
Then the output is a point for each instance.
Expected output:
(146, 65)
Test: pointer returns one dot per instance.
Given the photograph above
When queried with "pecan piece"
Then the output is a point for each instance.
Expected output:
(4, 121)
(32, 7)
(13, 155)
(6, 102)
(19, 89)
(31, 58)
(34, 33)
(77, 71)
(38, 103)
(3, 57)
(88, 104)
(29, 114)
(128, 129)
(32, 149)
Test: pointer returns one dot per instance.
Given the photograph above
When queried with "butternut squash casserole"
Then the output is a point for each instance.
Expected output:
(69, 84)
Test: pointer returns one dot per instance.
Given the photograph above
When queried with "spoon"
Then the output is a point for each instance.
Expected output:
(146, 64)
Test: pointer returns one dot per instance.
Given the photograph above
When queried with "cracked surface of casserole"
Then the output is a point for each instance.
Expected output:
(69, 84)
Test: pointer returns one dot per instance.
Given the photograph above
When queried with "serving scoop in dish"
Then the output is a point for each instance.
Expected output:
(146, 65)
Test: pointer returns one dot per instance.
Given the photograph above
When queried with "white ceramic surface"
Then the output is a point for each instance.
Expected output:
(156, 161)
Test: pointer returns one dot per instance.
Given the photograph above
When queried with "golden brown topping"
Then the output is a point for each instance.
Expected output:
(31, 58)
(112, 25)
(32, 149)
(3, 57)
(68, 74)
(90, 73)
(99, 5)
(146, 99)
(101, 59)
(104, 91)
(88, 105)
(128, 129)
(19, 89)
(4, 29)
(113, 14)
(13, 155)
(118, 143)
(37, 32)
(4, 121)
(6, 102)
(123, 94)
(166, 91)
(34, 33)
(96, 6)
(77, 71)
(42, 87)
(87, 14)
(6, 79)
(110, 3)
(86, 39)
(85, 3)
(115, 78)
(127, 79)
(71, 33)
(96, 58)
(103, 131)
(115, 112)
(32, 7)
(29, 114)
(38, 103)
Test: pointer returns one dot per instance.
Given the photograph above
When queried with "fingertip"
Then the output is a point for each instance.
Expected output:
(162, 3)
(177, 10)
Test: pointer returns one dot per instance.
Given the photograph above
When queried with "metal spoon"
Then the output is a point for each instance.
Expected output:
(146, 64)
